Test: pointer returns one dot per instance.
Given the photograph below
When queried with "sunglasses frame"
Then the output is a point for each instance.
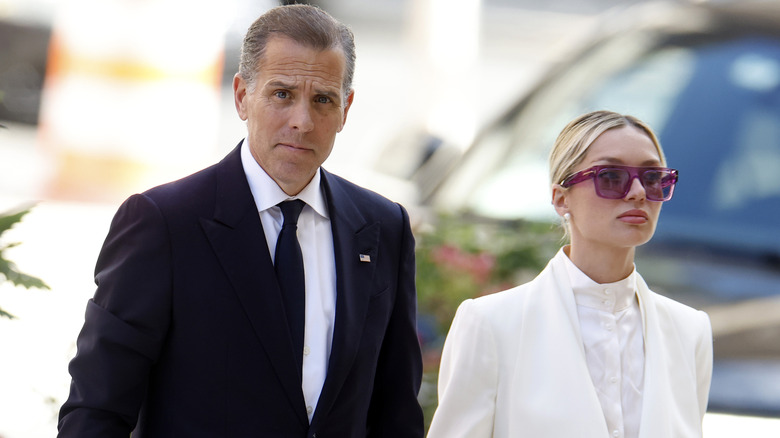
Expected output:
(633, 172)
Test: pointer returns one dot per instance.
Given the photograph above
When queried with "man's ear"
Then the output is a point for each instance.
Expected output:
(559, 199)
(239, 94)
(346, 109)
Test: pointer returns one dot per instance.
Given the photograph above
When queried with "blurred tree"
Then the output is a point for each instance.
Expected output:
(461, 257)
(8, 270)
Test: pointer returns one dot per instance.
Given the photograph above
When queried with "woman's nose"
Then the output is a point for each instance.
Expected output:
(636, 191)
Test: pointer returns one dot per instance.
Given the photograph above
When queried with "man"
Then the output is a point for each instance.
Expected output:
(191, 333)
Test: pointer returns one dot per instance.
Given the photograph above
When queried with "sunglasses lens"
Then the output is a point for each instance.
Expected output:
(611, 183)
(657, 184)
(614, 183)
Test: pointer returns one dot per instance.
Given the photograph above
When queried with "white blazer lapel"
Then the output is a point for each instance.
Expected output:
(669, 405)
(553, 387)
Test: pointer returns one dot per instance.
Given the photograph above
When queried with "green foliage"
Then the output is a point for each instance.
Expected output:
(8, 269)
(460, 257)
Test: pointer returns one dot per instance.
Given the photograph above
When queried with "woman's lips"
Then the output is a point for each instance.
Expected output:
(634, 217)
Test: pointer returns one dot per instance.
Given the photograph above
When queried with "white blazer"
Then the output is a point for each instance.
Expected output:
(513, 365)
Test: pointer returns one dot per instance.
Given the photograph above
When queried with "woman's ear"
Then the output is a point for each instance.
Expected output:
(559, 199)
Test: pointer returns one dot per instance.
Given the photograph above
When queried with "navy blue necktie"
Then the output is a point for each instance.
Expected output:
(288, 263)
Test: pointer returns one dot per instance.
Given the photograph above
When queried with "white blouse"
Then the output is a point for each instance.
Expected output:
(611, 326)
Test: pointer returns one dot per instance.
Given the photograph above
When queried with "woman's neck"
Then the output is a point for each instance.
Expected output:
(602, 265)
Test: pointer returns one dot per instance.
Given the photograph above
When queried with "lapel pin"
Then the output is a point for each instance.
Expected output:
(365, 258)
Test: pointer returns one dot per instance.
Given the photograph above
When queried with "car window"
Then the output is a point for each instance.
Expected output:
(723, 133)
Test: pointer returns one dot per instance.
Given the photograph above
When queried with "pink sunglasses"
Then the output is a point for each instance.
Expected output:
(614, 182)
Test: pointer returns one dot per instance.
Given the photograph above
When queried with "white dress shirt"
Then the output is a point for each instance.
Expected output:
(612, 334)
(316, 240)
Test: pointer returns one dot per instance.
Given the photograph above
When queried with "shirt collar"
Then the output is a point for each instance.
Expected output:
(268, 194)
(613, 297)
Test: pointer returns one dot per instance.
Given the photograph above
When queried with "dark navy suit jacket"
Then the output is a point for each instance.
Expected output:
(186, 334)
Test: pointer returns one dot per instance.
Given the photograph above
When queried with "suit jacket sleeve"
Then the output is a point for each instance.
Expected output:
(125, 325)
(468, 378)
(395, 411)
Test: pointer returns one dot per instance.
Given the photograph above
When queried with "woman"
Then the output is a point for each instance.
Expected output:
(585, 349)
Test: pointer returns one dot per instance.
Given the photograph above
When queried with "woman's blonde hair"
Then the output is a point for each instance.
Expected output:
(574, 140)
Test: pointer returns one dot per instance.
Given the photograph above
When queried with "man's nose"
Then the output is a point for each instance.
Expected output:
(301, 117)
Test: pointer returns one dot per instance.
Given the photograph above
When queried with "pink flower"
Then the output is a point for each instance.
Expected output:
(478, 266)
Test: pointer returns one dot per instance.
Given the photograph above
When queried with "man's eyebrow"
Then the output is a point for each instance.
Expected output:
(335, 95)
(329, 93)
(281, 84)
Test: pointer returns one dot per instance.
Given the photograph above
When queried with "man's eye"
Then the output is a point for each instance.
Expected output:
(282, 94)
(322, 99)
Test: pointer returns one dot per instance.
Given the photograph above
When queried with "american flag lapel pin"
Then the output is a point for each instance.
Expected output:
(365, 258)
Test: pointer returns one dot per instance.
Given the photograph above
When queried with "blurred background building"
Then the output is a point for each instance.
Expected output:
(100, 99)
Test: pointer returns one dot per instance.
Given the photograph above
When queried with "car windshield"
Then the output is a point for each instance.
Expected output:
(716, 110)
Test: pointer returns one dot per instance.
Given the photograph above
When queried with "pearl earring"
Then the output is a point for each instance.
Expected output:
(567, 217)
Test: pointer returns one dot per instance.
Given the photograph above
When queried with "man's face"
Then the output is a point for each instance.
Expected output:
(294, 110)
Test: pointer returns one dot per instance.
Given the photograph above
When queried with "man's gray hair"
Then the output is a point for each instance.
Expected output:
(304, 24)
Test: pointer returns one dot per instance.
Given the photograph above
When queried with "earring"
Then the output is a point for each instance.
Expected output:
(567, 217)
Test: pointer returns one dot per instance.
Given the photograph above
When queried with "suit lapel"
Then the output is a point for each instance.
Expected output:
(352, 237)
(669, 402)
(236, 235)
(657, 403)
(655, 385)
(583, 402)
(551, 368)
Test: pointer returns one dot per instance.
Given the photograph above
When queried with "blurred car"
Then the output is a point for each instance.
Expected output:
(706, 77)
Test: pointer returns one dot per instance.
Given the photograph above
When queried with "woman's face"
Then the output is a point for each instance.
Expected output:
(597, 223)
